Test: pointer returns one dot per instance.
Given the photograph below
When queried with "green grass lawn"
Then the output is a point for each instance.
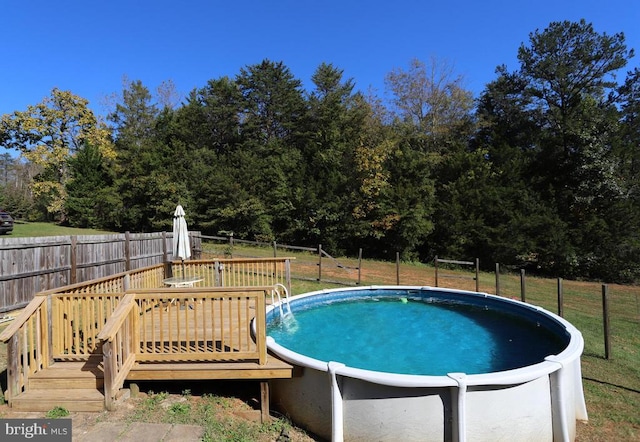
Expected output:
(26, 229)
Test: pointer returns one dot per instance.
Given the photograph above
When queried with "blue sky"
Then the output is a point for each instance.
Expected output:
(89, 46)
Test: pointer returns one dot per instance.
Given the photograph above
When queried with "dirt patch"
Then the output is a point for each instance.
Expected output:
(163, 407)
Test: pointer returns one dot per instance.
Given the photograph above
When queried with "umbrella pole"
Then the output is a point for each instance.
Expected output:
(183, 268)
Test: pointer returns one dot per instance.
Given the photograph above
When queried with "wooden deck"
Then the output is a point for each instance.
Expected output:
(190, 336)
(78, 349)
(79, 386)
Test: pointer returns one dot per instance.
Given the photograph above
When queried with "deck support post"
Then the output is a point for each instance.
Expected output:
(264, 402)
(108, 368)
(13, 378)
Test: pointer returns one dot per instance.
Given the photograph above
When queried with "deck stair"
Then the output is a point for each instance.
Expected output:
(75, 385)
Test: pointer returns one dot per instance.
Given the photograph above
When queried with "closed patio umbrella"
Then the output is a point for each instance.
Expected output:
(181, 246)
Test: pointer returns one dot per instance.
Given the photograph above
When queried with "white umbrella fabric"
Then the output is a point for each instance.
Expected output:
(181, 246)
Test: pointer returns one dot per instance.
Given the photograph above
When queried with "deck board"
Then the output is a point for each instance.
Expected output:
(273, 369)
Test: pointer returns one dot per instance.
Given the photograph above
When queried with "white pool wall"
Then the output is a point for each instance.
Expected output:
(537, 403)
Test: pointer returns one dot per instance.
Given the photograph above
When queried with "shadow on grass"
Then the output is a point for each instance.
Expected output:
(597, 381)
(593, 355)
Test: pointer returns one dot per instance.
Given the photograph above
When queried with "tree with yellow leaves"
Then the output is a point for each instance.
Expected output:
(48, 134)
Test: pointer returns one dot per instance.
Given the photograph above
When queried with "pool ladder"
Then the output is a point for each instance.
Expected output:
(275, 293)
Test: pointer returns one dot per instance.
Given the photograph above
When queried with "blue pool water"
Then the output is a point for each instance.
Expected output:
(414, 335)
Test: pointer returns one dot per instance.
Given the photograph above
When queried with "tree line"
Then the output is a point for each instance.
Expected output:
(538, 172)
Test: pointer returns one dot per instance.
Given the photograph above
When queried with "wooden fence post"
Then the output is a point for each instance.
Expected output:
(165, 250)
(560, 299)
(359, 265)
(275, 250)
(397, 268)
(168, 268)
(523, 287)
(127, 251)
(74, 260)
(287, 273)
(477, 274)
(605, 317)
(319, 262)
(435, 265)
(497, 279)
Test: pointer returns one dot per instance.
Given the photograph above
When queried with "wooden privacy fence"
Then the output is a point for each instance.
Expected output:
(32, 265)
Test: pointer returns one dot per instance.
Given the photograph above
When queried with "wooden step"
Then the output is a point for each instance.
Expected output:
(68, 375)
(73, 400)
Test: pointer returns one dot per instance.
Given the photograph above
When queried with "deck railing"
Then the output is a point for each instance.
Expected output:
(65, 323)
(118, 339)
(77, 319)
(147, 277)
(182, 325)
(248, 272)
(27, 346)
(200, 324)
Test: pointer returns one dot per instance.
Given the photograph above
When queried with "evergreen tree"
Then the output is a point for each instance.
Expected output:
(335, 124)
(554, 123)
(92, 200)
(144, 163)
(272, 120)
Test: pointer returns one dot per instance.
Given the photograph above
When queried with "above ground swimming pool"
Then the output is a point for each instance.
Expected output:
(418, 363)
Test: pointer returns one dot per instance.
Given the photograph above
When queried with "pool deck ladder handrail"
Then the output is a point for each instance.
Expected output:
(276, 293)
